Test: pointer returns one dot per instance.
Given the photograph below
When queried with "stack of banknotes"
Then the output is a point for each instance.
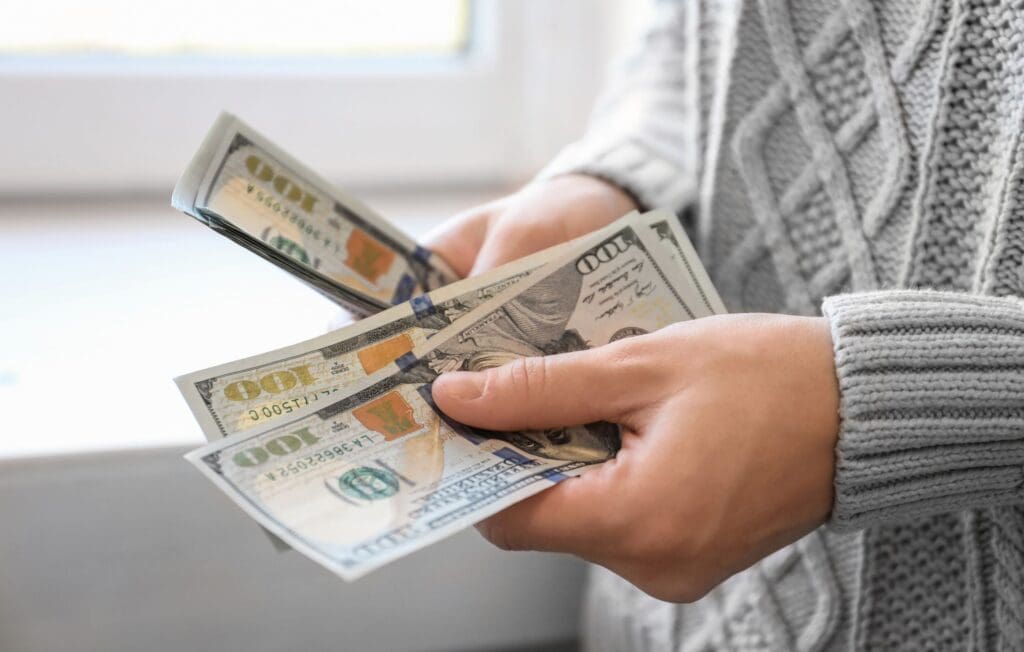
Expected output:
(334, 444)
(246, 188)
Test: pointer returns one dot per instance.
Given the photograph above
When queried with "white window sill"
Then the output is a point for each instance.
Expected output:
(106, 302)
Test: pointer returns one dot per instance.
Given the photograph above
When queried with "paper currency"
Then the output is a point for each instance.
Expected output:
(671, 234)
(247, 189)
(379, 473)
(247, 393)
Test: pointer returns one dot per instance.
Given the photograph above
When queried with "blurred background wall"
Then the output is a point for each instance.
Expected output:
(109, 541)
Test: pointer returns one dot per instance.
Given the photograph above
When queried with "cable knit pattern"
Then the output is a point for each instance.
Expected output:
(864, 158)
(654, 160)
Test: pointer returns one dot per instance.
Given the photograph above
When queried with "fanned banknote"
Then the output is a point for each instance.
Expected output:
(249, 190)
(251, 391)
(247, 393)
(670, 232)
(379, 473)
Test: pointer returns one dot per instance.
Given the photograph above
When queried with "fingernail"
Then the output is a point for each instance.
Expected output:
(462, 385)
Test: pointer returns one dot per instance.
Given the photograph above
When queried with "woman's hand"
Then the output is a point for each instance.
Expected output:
(541, 215)
(729, 427)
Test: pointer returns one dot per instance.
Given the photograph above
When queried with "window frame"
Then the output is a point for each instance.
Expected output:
(491, 117)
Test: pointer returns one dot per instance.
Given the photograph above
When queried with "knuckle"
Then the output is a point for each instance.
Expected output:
(528, 377)
(681, 591)
(635, 357)
(681, 584)
(638, 368)
(621, 354)
(497, 534)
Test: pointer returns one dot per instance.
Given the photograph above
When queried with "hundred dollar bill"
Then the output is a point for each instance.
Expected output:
(379, 473)
(239, 395)
(670, 232)
(247, 393)
(247, 189)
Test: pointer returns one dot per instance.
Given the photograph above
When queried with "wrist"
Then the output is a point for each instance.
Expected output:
(826, 417)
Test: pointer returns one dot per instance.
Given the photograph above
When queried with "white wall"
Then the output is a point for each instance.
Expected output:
(494, 117)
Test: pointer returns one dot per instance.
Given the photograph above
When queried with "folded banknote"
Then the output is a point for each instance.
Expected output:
(249, 190)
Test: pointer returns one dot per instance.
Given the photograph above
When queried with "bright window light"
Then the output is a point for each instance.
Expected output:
(235, 28)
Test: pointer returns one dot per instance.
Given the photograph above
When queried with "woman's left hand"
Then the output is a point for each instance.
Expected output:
(729, 426)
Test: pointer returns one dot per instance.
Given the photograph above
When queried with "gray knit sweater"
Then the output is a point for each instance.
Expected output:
(865, 158)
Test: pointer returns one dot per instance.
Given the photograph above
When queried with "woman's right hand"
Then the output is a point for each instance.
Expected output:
(540, 215)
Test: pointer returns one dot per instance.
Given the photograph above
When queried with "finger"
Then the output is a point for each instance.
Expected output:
(568, 517)
(547, 392)
(553, 211)
(458, 240)
(500, 249)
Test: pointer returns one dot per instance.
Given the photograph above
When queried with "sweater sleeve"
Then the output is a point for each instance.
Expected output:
(639, 136)
(931, 404)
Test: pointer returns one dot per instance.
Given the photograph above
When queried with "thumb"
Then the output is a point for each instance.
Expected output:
(546, 392)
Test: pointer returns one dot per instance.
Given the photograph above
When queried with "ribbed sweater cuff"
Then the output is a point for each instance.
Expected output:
(931, 404)
(652, 180)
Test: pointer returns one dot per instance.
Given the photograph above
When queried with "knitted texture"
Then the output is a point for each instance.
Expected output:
(865, 159)
(932, 389)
